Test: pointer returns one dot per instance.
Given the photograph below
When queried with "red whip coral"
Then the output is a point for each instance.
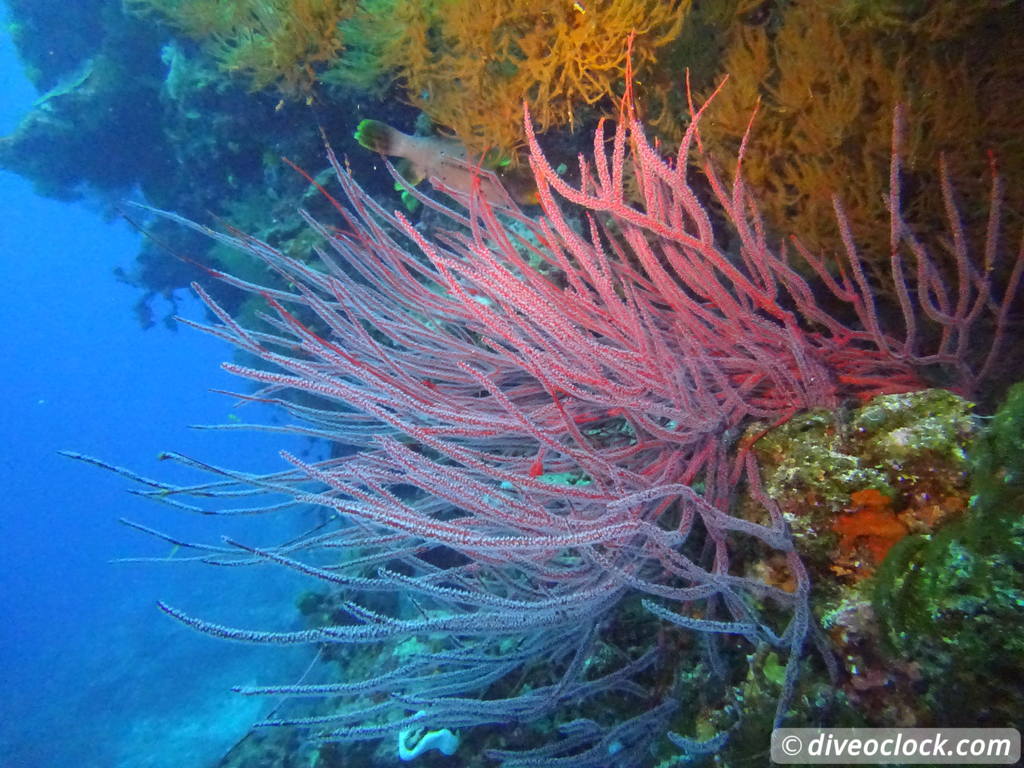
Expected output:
(545, 410)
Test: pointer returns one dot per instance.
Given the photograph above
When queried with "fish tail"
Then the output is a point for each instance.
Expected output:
(378, 137)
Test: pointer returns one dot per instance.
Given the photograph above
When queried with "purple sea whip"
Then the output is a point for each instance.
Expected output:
(552, 403)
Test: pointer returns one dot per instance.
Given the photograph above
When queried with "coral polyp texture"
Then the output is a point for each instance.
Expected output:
(531, 518)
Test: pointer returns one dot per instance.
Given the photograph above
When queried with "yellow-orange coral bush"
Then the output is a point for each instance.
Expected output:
(469, 65)
(826, 77)
(270, 42)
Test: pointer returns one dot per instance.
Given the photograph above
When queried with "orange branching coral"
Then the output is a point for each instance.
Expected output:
(827, 78)
(270, 42)
(469, 65)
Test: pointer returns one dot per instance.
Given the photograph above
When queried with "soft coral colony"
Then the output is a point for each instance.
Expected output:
(539, 526)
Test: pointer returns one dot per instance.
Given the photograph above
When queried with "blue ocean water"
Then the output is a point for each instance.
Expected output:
(91, 672)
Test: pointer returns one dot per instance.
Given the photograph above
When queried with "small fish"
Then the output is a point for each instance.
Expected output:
(446, 161)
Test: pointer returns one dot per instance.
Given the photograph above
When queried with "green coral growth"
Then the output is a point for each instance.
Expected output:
(954, 601)
(901, 427)
(808, 454)
(910, 448)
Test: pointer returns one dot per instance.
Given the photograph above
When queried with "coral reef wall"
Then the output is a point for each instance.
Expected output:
(823, 120)
(225, 89)
(643, 468)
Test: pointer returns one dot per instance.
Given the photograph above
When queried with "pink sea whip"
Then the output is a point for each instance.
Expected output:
(552, 403)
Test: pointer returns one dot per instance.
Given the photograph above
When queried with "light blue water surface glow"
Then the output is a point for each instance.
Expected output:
(91, 673)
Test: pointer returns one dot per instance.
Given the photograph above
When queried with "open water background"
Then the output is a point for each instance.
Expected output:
(91, 673)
